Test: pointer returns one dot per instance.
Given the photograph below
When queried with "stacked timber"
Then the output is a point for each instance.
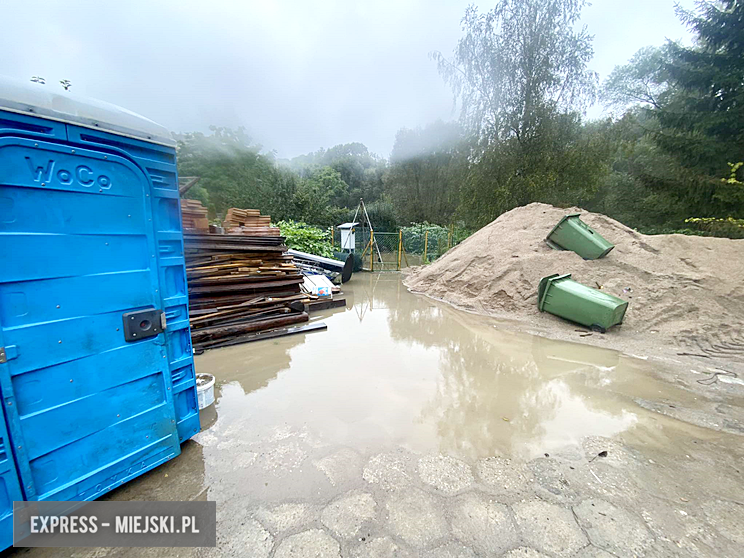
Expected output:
(249, 221)
(194, 216)
(240, 284)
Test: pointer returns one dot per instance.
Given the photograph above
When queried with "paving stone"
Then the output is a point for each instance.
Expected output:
(483, 523)
(683, 524)
(604, 481)
(284, 459)
(285, 517)
(593, 552)
(445, 473)
(549, 528)
(452, 549)
(552, 482)
(415, 517)
(524, 552)
(313, 543)
(728, 518)
(504, 475)
(346, 515)
(612, 528)
(389, 470)
(383, 547)
(249, 539)
(617, 454)
(343, 466)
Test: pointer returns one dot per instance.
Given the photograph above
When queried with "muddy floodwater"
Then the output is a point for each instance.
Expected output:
(397, 369)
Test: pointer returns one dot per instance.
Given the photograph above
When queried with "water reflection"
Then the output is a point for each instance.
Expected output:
(399, 369)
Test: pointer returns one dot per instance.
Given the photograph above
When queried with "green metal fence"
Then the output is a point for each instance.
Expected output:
(392, 251)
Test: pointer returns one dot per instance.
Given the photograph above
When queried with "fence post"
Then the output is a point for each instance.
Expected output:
(449, 237)
(400, 245)
(333, 238)
(371, 250)
(426, 244)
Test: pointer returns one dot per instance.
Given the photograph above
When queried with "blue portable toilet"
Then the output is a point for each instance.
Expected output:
(96, 368)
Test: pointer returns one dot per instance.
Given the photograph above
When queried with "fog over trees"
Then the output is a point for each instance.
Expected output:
(521, 80)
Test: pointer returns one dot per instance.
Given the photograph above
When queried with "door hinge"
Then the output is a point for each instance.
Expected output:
(8, 353)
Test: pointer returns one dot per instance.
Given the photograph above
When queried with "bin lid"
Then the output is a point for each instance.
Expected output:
(37, 100)
(558, 224)
(544, 287)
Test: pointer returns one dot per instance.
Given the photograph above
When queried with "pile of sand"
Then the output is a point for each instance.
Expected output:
(685, 292)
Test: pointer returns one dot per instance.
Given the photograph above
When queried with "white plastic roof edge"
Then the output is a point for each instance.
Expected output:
(39, 100)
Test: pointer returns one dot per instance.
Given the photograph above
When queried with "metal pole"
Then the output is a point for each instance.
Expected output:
(372, 251)
(364, 207)
(449, 238)
(426, 244)
(333, 238)
(400, 245)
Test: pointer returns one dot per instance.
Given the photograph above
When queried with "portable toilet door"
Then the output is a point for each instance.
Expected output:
(96, 373)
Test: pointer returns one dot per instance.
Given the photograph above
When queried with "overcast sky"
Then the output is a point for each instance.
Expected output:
(299, 74)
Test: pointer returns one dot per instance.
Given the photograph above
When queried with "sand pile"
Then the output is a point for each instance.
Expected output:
(685, 292)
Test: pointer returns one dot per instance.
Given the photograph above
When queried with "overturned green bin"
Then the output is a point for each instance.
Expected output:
(571, 233)
(564, 297)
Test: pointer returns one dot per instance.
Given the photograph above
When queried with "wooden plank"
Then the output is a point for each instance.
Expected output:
(232, 330)
(258, 336)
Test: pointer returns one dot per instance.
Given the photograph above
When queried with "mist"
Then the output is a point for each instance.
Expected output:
(297, 75)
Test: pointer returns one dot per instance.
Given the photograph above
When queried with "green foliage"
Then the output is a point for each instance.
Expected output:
(438, 240)
(688, 116)
(520, 75)
(306, 238)
(729, 227)
(642, 81)
(360, 170)
(314, 199)
(234, 173)
(426, 168)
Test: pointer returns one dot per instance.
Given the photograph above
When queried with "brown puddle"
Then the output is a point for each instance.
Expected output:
(397, 369)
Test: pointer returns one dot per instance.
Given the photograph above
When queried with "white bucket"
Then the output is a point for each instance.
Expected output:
(205, 390)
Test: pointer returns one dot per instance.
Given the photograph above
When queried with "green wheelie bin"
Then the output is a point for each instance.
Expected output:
(571, 233)
(562, 296)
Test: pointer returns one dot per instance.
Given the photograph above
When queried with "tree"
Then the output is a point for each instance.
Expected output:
(316, 198)
(703, 121)
(642, 82)
(234, 172)
(689, 104)
(520, 75)
(426, 168)
(361, 170)
(519, 63)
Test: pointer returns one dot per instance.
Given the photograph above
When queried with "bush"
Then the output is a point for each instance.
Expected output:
(306, 238)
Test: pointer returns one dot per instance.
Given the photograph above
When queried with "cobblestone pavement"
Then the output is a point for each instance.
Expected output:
(580, 503)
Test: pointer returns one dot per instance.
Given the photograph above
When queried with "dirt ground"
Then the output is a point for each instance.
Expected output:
(685, 293)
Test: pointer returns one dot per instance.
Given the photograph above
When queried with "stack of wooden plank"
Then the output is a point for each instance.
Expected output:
(248, 222)
(239, 285)
(194, 216)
